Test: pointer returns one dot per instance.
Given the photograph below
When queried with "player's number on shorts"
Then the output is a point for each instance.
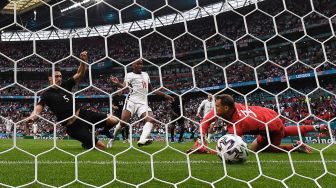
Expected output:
(247, 112)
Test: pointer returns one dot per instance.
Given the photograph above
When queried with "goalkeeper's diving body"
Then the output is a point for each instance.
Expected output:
(254, 120)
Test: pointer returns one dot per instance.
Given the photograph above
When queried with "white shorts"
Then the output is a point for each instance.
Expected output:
(136, 108)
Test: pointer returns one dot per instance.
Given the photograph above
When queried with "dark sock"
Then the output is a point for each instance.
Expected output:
(126, 132)
(106, 132)
(172, 129)
(181, 133)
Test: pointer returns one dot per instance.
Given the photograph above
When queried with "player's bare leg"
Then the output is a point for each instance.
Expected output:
(100, 145)
(112, 121)
(147, 128)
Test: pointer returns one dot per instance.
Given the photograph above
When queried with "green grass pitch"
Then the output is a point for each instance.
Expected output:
(169, 167)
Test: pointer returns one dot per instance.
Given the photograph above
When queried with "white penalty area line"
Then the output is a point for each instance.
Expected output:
(4, 162)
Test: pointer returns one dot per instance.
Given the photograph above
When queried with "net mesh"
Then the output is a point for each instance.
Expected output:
(278, 54)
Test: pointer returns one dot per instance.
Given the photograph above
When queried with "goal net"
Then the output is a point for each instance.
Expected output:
(278, 54)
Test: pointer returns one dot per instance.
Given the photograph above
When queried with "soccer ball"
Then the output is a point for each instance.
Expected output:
(232, 148)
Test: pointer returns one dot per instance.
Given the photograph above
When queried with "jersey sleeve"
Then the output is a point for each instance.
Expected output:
(200, 107)
(127, 79)
(148, 78)
(69, 84)
(42, 99)
(207, 120)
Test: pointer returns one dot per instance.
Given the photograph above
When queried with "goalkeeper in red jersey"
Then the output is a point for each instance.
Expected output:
(254, 120)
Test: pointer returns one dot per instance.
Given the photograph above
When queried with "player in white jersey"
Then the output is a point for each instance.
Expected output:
(34, 129)
(9, 124)
(207, 104)
(136, 101)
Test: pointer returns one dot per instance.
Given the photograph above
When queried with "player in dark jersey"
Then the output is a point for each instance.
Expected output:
(118, 102)
(60, 103)
(176, 112)
(252, 121)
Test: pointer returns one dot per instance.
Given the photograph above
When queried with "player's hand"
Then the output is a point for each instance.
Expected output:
(84, 56)
(115, 107)
(114, 80)
(169, 98)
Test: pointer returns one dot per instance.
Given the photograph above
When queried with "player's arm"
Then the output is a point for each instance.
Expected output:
(172, 108)
(115, 81)
(37, 110)
(161, 94)
(114, 104)
(114, 107)
(200, 108)
(82, 68)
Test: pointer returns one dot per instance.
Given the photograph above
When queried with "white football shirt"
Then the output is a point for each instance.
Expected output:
(207, 105)
(34, 128)
(139, 84)
(9, 124)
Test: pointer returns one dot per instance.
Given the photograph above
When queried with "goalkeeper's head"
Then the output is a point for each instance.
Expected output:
(225, 106)
(57, 75)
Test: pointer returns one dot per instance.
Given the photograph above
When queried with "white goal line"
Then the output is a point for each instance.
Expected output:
(4, 162)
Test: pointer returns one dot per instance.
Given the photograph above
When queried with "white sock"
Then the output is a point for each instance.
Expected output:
(209, 137)
(146, 130)
(116, 130)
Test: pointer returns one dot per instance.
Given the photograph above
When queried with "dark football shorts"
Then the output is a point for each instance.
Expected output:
(118, 113)
(82, 131)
